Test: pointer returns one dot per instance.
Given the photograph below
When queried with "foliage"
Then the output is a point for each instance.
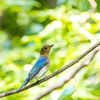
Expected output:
(66, 95)
(26, 25)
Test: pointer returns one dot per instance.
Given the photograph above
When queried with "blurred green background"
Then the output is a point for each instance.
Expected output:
(71, 25)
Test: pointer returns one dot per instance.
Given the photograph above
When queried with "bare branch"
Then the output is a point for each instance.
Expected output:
(52, 75)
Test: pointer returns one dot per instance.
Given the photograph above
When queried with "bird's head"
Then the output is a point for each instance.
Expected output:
(45, 50)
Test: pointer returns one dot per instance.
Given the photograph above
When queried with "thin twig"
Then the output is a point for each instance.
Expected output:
(52, 75)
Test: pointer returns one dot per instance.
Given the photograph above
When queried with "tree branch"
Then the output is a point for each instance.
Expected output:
(67, 78)
(52, 75)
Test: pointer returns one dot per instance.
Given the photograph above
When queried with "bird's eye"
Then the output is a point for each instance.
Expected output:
(45, 48)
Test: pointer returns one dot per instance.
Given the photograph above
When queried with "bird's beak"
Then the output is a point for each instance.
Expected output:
(51, 45)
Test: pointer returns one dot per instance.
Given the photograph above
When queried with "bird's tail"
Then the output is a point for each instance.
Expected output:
(25, 82)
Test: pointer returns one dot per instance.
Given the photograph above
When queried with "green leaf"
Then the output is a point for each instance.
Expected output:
(95, 89)
(65, 98)
(96, 92)
(66, 95)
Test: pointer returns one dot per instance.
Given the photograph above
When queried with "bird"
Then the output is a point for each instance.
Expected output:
(40, 67)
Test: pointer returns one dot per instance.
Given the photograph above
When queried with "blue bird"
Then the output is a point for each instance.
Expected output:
(40, 67)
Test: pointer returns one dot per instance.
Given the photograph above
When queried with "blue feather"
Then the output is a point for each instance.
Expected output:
(41, 62)
(37, 67)
(35, 70)
(25, 82)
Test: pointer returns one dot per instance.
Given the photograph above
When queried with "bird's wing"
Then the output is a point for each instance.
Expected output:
(37, 67)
